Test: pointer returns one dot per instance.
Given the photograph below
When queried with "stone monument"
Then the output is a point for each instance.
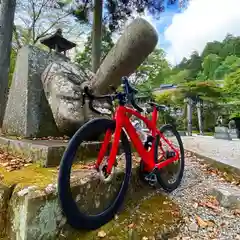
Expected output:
(233, 131)
(45, 97)
(221, 132)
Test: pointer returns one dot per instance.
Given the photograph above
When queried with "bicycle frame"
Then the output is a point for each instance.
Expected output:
(122, 118)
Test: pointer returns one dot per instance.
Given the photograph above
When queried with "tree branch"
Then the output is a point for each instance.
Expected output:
(44, 33)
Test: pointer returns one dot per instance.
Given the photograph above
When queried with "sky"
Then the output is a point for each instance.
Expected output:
(183, 31)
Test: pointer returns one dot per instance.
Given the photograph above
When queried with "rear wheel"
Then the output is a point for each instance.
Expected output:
(77, 186)
(170, 176)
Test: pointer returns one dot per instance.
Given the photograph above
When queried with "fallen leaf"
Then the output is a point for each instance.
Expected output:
(144, 238)
(201, 223)
(195, 205)
(131, 225)
(210, 223)
(236, 212)
(213, 207)
(102, 234)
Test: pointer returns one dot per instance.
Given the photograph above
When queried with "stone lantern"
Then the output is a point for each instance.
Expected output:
(58, 43)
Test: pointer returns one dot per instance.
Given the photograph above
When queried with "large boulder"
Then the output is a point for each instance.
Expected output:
(62, 86)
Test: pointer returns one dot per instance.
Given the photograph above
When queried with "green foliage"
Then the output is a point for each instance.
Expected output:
(193, 65)
(206, 90)
(217, 60)
(153, 70)
(180, 77)
(232, 84)
(210, 63)
(84, 58)
(212, 48)
(13, 58)
(117, 12)
(235, 115)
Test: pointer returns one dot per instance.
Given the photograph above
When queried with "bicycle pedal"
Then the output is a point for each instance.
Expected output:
(151, 179)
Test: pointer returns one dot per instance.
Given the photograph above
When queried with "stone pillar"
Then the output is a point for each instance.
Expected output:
(189, 116)
(28, 113)
(199, 114)
(137, 41)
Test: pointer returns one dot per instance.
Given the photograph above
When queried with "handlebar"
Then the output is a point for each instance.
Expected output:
(92, 97)
(128, 94)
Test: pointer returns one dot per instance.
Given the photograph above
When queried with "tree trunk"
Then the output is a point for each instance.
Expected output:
(199, 114)
(189, 116)
(7, 10)
(97, 35)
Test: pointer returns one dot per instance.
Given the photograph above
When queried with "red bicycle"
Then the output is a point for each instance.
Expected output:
(157, 165)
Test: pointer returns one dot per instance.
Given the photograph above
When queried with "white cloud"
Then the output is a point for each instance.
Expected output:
(201, 22)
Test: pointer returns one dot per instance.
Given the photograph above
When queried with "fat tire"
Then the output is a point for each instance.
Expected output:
(169, 187)
(75, 218)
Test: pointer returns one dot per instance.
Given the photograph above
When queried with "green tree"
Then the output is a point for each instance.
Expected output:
(232, 85)
(154, 70)
(194, 65)
(180, 77)
(231, 46)
(210, 64)
(212, 48)
(84, 58)
(230, 64)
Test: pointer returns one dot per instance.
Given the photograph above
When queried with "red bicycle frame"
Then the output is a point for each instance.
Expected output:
(122, 118)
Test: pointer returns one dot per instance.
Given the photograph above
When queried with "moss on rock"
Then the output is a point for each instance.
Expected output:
(31, 175)
(155, 216)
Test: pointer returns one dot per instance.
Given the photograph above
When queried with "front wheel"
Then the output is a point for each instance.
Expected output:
(170, 176)
(91, 201)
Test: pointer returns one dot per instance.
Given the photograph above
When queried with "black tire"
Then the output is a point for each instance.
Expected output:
(75, 218)
(169, 187)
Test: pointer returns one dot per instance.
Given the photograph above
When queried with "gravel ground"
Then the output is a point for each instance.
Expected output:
(204, 218)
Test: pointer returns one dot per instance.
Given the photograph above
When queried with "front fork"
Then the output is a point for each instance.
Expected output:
(114, 148)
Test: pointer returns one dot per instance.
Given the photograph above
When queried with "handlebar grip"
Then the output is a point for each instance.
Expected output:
(92, 108)
(92, 97)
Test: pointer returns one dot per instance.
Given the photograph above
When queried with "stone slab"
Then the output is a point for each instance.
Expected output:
(234, 133)
(5, 194)
(47, 153)
(36, 213)
(222, 133)
(227, 197)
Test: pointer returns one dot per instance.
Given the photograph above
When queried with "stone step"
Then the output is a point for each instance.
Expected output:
(228, 197)
(35, 213)
(47, 153)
